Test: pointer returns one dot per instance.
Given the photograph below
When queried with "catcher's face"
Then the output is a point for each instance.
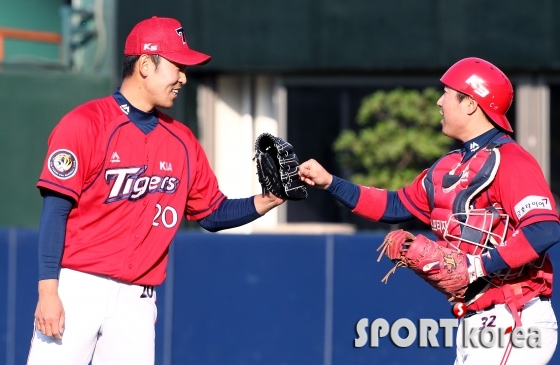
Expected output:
(454, 123)
(164, 82)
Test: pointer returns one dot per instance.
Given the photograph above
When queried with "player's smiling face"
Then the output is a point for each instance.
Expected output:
(164, 83)
(453, 123)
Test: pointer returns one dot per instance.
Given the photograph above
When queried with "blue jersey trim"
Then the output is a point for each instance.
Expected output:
(186, 154)
(106, 153)
(57, 185)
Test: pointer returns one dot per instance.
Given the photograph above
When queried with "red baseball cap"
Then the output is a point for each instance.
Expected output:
(164, 37)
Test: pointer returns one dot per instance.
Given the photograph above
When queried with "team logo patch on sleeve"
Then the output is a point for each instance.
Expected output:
(63, 164)
(532, 202)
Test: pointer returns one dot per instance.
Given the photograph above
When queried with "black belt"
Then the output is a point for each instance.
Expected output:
(471, 313)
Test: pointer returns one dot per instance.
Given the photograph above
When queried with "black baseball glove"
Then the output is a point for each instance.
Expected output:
(277, 168)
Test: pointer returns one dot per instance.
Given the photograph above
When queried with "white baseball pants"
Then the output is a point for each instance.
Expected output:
(538, 322)
(107, 322)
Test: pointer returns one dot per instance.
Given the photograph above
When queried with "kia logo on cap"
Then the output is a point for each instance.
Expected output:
(150, 47)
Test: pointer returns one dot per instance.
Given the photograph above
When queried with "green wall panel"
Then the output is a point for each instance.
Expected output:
(32, 104)
(40, 15)
(360, 35)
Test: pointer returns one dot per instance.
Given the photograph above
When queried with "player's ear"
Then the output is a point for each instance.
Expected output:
(143, 64)
(470, 105)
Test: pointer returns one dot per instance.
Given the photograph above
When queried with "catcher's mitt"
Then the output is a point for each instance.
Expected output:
(277, 168)
(444, 268)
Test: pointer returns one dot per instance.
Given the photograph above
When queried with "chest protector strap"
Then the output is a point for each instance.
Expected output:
(513, 293)
(484, 175)
(451, 186)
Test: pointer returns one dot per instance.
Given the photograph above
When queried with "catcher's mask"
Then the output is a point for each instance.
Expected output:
(477, 231)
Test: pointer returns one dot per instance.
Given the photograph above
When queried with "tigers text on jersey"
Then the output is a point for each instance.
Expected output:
(131, 189)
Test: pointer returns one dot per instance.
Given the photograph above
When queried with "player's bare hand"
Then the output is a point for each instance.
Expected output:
(266, 202)
(313, 174)
(49, 314)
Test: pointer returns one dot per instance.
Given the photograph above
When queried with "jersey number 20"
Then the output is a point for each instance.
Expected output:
(167, 216)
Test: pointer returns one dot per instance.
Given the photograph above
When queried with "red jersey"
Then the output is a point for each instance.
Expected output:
(521, 190)
(518, 185)
(130, 189)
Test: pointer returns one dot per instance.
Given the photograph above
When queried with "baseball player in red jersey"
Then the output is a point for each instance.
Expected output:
(118, 177)
(489, 205)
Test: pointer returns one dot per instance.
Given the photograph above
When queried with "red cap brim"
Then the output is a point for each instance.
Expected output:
(187, 57)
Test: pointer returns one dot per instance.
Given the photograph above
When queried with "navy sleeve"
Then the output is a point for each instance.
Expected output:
(344, 191)
(395, 211)
(541, 236)
(348, 194)
(231, 213)
(52, 231)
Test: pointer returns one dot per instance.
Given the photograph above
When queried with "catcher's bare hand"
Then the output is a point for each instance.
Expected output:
(313, 174)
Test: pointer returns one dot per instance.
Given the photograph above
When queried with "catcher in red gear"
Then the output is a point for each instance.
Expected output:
(488, 205)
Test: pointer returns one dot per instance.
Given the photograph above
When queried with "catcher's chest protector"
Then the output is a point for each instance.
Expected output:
(465, 218)
(451, 187)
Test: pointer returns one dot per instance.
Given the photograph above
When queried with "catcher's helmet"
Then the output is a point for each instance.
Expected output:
(486, 84)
